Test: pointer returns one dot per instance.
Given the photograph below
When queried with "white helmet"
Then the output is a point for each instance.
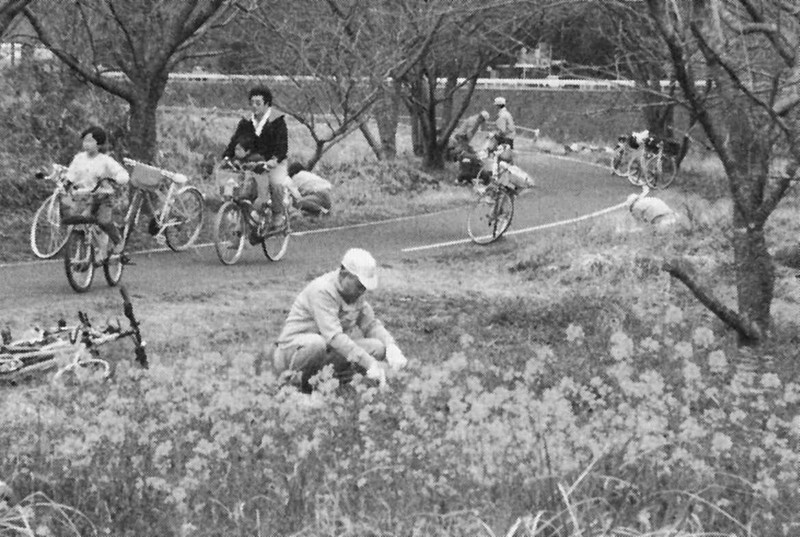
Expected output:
(499, 101)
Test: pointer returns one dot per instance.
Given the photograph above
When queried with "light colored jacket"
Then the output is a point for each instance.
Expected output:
(505, 123)
(85, 171)
(320, 309)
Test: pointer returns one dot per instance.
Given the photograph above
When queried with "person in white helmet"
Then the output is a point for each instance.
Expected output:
(331, 323)
(504, 123)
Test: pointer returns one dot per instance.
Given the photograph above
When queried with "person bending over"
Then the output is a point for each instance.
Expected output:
(314, 191)
(331, 323)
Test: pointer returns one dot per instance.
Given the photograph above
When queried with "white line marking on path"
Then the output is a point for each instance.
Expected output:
(59, 259)
(525, 230)
(560, 157)
(349, 226)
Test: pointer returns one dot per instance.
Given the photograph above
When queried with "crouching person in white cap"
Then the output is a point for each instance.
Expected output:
(320, 329)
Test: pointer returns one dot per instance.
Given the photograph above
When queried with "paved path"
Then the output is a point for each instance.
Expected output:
(565, 190)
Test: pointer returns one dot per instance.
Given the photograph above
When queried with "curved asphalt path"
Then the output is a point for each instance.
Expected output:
(565, 189)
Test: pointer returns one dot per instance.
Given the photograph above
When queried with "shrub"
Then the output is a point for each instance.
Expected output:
(40, 129)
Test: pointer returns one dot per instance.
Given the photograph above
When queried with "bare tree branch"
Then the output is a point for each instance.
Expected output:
(682, 271)
(9, 9)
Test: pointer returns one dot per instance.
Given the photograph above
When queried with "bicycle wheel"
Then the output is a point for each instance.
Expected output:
(490, 216)
(48, 236)
(662, 172)
(185, 219)
(84, 370)
(112, 269)
(276, 242)
(636, 174)
(13, 369)
(78, 256)
(229, 233)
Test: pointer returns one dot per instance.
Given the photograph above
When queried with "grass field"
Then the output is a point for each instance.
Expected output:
(560, 383)
(563, 382)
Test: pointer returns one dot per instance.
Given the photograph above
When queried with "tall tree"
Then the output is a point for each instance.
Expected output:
(438, 88)
(140, 41)
(748, 51)
(337, 57)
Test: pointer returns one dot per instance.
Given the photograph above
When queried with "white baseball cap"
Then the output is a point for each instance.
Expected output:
(363, 266)
(498, 101)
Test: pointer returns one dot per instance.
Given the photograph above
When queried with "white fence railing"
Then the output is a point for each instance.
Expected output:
(483, 83)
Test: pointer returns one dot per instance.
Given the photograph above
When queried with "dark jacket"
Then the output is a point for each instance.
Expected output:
(273, 142)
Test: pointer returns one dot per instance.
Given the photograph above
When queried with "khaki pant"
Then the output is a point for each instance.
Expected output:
(273, 185)
(309, 353)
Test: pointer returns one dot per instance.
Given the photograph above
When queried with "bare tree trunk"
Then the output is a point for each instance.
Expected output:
(755, 278)
(142, 141)
(372, 142)
(658, 111)
(386, 115)
(319, 150)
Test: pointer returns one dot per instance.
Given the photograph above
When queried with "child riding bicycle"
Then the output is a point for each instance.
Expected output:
(87, 172)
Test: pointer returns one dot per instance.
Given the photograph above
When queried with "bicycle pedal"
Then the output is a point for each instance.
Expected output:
(124, 259)
(160, 239)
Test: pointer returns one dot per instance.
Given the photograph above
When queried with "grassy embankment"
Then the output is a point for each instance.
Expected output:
(561, 378)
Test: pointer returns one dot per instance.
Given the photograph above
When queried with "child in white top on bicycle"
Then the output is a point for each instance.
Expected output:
(87, 171)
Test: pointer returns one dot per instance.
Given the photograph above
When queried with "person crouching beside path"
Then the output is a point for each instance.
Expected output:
(320, 329)
(314, 192)
(651, 211)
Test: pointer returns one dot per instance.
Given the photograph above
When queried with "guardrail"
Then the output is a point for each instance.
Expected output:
(483, 83)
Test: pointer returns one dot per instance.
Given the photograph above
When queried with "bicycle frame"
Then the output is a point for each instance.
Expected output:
(160, 209)
(167, 222)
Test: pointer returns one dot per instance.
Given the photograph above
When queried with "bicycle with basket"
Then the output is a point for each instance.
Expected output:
(238, 218)
(69, 350)
(177, 210)
(491, 213)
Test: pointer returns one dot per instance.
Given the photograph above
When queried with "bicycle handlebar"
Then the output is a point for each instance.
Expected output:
(246, 166)
(173, 176)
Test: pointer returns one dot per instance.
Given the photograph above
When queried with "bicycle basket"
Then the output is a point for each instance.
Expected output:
(515, 176)
(146, 177)
(223, 176)
(235, 184)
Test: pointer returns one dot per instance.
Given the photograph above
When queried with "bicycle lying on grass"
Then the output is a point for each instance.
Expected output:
(238, 218)
(491, 214)
(177, 209)
(69, 350)
(48, 235)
